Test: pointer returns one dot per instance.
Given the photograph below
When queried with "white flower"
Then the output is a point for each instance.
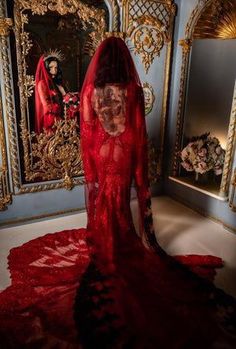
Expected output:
(202, 152)
(218, 150)
(203, 155)
(187, 166)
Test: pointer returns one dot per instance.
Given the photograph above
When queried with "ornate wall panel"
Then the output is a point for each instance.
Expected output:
(149, 28)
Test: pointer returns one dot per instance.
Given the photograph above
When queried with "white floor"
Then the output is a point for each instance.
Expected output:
(179, 231)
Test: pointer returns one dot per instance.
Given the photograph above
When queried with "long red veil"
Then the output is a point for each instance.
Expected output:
(48, 106)
(41, 75)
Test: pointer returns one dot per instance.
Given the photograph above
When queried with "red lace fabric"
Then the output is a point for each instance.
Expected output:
(100, 287)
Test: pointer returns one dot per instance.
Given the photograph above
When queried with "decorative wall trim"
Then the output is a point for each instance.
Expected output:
(230, 146)
(232, 198)
(115, 15)
(9, 103)
(5, 196)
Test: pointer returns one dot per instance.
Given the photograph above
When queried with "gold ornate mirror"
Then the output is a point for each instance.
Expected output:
(206, 117)
(73, 29)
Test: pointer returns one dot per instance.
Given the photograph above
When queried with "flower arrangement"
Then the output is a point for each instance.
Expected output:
(202, 154)
(71, 103)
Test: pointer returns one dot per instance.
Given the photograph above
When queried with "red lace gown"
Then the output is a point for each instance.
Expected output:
(100, 287)
(132, 297)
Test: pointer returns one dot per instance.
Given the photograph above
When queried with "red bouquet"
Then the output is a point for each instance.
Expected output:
(71, 103)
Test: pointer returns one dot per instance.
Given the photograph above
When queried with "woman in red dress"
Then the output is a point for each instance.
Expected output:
(49, 92)
(132, 296)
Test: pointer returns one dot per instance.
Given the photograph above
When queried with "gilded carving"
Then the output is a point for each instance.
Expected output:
(148, 39)
(149, 97)
(232, 204)
(149, 26)
(229, 149)
(217, 21)
(57, 155)
(186, 45)
(5, 26)
(5, 196)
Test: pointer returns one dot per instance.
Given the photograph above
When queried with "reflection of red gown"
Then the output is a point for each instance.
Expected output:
(48, 99)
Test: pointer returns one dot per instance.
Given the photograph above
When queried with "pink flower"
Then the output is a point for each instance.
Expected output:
(66, 98)
(74, 99)
(202, 152)
(202, 167)
(187, 166)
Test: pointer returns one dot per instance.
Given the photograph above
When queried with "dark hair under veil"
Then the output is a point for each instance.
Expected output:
(58, 78)
(113, 64)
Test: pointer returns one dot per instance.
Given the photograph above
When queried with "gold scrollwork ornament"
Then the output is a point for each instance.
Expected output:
(148, 36)
(5, 25)
(186, 45)
(56, 155)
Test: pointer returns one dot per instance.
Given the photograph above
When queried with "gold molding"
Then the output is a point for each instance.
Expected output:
(232, 203)
(115, 15)
(229, 153)
(5, 195)
(186, 49)
(5, 25)
(9, 111)
(186, 45)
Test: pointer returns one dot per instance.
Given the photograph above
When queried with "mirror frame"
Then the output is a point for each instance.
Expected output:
(186, 44)
(88, 14)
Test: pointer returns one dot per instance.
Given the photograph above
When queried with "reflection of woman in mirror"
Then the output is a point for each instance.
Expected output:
(49, 92)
